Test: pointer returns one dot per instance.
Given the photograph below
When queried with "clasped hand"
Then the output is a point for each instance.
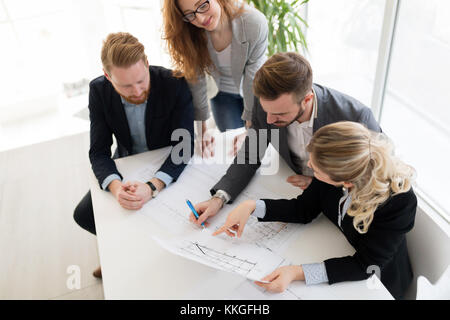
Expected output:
(132, 195)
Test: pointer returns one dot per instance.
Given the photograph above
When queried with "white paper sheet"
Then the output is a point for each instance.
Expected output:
(170, 210)
(247, 260)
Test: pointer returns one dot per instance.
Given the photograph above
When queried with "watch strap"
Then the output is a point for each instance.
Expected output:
(222, 196)
(154, 189)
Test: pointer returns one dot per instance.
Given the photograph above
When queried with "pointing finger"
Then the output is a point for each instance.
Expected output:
(220, 230)
(229, 233)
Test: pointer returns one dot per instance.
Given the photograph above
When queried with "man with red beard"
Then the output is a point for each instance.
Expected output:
(141, 105)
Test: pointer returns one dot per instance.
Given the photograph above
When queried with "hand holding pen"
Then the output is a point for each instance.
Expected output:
(194, 214)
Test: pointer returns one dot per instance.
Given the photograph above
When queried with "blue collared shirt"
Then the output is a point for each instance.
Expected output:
(136, 121)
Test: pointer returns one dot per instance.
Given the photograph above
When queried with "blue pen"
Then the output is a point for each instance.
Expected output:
(193, 211)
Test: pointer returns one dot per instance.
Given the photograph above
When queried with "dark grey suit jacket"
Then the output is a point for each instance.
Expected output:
(333, 106)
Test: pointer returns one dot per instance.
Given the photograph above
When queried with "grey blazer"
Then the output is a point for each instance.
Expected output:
(248, 48)
(332, 106)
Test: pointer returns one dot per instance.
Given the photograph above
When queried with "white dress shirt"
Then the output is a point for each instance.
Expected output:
(298, 137)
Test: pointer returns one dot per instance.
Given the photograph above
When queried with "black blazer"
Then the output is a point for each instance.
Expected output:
(384, 245)
(169, 107)
(332, 105)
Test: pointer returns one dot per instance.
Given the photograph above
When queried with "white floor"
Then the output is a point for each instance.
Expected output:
(40, 185)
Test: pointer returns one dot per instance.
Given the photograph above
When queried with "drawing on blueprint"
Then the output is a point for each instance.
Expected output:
(222, 260)
(247, 260)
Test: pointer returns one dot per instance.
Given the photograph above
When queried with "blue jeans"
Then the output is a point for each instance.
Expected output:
(227, 110)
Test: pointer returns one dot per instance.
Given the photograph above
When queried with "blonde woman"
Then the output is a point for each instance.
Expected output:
(226, 39)
(365, 191)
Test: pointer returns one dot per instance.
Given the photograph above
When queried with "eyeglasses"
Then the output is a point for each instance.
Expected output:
(201, 9)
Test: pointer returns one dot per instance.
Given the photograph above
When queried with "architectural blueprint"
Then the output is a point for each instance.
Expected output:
(253, 256)
(244, 259)
(172, 212)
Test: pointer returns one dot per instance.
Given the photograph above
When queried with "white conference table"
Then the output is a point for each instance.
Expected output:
(134, 266)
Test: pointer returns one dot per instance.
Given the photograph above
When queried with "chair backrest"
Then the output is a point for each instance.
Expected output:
(429, 249)
(438, 291)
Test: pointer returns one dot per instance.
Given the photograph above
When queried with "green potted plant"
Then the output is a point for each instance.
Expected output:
(285, 24)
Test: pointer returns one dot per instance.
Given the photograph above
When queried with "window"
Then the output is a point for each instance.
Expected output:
(52, 50)
(416, 110)
(57, 42)
(44, 51)
(343, 39)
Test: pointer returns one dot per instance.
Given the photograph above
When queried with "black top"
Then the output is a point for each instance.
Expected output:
(169, 107)
(384, 244)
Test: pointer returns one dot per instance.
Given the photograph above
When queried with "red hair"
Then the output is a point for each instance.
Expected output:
(121, 49)
(186, 43)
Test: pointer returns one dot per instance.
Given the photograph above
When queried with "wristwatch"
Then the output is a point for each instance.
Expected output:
(154, 190)
(222, 195)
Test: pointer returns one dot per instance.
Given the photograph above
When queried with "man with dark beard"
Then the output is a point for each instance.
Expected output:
(289, 103)
(141, 105)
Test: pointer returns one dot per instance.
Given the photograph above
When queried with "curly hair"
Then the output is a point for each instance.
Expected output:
(187, 44)
(348, 151)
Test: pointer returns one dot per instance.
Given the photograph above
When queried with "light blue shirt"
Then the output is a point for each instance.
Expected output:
(315, 273)
(136, 122)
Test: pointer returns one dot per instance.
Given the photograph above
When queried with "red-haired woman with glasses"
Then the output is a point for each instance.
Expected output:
(226, 39)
